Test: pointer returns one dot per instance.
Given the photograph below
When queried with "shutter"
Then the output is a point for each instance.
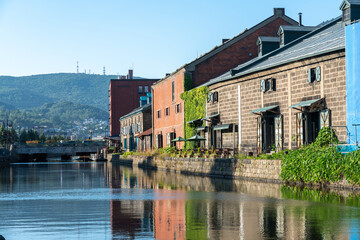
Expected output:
(168, 136)
(279, 137)
(309, 76)
(299, 129)
(259, 135)
(318, 74)
(262, 85)
(325, 117)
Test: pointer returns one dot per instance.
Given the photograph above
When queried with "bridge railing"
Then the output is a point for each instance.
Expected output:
(64, 144)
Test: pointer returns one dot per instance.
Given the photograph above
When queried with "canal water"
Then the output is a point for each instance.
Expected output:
(77, 200)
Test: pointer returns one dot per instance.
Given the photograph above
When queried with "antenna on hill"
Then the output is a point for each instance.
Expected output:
(104, 70)
(77, 67)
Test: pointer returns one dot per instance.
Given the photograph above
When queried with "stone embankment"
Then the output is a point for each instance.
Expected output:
(261, 170)
(250, 169)
(7, 159)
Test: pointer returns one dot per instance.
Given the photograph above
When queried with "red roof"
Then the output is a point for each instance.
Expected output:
(145, 133)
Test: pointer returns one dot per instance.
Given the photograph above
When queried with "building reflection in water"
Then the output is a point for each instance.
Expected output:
(188, 207)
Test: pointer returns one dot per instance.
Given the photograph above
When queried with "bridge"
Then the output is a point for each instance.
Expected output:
(66, 150)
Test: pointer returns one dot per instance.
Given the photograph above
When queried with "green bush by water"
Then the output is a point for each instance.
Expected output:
(320, 162)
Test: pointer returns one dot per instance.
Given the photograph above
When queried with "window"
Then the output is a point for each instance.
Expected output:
(138, 126)
(140, 89)
(346, 14)
(314, 74)
(178, 108)
(125, 145)
(173, 91)
(167, 111)
(268, 85)
(146, 89)
(158, 114)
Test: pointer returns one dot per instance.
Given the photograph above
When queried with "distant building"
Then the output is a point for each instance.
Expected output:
(136, 131)
(168, 107)
(124, 97)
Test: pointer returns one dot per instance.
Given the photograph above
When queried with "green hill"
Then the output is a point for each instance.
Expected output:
(56, 115)
(34, 91)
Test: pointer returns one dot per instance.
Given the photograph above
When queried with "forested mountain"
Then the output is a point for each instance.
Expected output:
(57, 115)
(34, 91)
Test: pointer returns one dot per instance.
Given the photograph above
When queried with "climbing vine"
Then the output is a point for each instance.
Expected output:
(188, 84)
(195, 108)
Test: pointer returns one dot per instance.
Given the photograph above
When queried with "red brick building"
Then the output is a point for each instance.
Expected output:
(124, 96)
(168, 114)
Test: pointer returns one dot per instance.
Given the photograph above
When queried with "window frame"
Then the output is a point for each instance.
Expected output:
(173, 90)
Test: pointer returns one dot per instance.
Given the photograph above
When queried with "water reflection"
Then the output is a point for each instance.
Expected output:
(106, 201)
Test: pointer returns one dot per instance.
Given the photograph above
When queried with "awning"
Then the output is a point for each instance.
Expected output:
(145, 133)
(264, 109)
(305, 103)
(210, 117)
(222, 127)
(196, 138)
(201, 128)
(195, 121)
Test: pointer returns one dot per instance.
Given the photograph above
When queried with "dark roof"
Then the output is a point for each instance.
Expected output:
(278, 13)
(355, 2)
(136, 110)
(326, 39)
(268, 39)
(296, 28)
(346, 3)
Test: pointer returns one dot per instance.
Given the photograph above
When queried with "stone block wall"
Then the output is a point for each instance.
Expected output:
(254, 169)
(292, 87)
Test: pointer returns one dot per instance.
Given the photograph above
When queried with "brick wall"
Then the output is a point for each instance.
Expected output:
(291, 87)
(162, 99)
(124, 96)
(238, 53)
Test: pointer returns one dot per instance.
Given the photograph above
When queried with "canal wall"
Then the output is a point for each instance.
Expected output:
(250, 169)
(260, 170)
(4, 160)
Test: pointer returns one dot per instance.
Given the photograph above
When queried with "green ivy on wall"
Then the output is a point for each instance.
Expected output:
(195, 108)
(188, 84)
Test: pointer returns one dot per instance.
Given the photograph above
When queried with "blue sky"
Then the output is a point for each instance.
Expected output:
(152, 36)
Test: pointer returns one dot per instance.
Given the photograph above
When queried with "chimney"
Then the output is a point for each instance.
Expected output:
(279, 11)
(300, 19)
(225, 40)
(130, 75)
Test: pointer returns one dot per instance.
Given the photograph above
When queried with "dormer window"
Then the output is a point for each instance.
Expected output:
(346, 14)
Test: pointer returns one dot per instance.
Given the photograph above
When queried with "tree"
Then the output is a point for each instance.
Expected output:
(23, 136)
(42, 138)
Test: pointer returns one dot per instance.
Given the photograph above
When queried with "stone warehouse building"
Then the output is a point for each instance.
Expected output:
(136, 132)
(283, 98)
(168, 107)
(124, 96)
